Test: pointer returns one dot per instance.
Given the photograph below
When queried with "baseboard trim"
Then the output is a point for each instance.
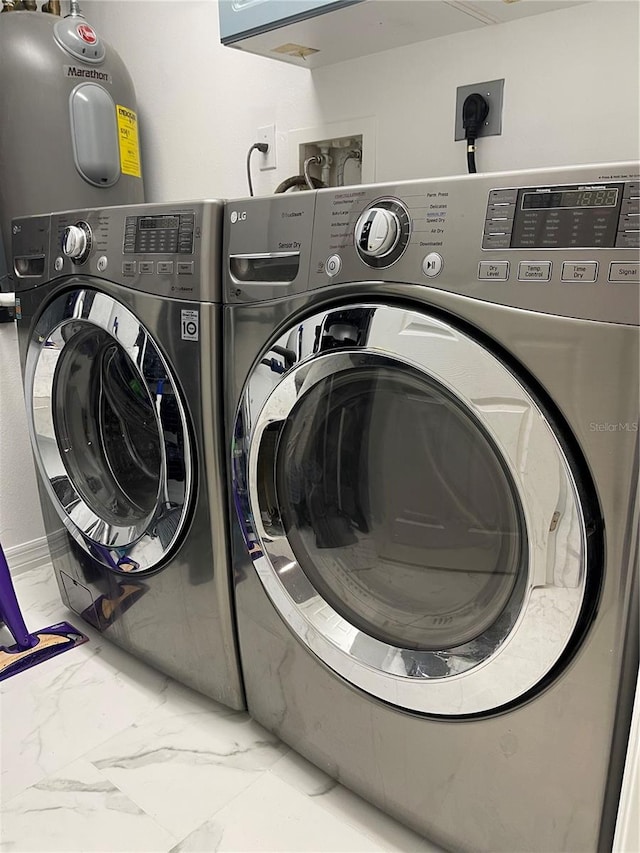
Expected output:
(28, 555)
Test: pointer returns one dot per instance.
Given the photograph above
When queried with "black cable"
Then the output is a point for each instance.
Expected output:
(263, 148)
(298, 181)
(474, 112)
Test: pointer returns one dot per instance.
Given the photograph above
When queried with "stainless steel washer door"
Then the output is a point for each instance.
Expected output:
(410, 511)
(109, 430)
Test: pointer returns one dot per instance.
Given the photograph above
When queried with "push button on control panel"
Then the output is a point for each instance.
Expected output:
(165, 267)
(146, 267)
(498, 270)
(333, 265)
(628, 236)
(528, 271)
(432, 264)
(498, 225)
(580, 272)
(619, 271)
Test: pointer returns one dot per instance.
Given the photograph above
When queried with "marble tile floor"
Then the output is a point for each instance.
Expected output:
(100, 752)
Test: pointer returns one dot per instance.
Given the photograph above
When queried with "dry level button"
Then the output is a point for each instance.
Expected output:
(580, 272)
(534, 272)
(624, 272)
(498, 270)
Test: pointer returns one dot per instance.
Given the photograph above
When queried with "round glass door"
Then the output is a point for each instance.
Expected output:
(399, 508)
(109, 430)
(410, 511)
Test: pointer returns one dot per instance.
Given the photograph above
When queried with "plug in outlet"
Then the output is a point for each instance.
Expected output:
(267, 134)
(492, 91)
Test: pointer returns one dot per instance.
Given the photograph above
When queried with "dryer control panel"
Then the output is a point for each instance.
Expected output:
(561, 241)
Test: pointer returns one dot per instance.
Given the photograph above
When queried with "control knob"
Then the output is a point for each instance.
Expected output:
(382, 232)
(76, 242)
(377, 232)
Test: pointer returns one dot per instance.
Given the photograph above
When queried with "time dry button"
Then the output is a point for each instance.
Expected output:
(580, 272)
(432, 264)
(333, 265)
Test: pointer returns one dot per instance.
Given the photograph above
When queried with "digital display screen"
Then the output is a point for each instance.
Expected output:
(571, 217)
(156, 222)
(600, 197)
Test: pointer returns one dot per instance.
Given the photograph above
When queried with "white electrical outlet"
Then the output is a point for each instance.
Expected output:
(267, 134)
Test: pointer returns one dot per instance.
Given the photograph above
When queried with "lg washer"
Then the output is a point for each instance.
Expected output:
(119, 324)
(432, 427)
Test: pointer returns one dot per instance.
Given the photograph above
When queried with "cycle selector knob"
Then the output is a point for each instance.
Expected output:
(377, 232)
(382, 232)
(76, 242)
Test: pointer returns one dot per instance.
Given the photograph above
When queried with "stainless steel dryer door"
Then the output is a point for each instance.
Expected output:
(108, 429)
(410, 510)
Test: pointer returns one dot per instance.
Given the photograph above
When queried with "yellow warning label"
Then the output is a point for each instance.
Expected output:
(128, 140)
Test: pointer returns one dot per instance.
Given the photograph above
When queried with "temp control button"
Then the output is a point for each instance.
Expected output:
(580, 272)
(498, 270)
(528, 271)
(432, 264)
(619, 271)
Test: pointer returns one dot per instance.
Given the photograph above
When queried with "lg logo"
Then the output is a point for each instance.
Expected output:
(238, 217)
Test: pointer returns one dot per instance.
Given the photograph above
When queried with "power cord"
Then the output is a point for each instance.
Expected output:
(259, 146)
(474, 112)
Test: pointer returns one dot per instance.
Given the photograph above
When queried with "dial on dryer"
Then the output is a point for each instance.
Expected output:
(382, 232)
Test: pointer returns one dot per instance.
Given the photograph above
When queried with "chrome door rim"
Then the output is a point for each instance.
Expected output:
(557, 535)
(123, 547)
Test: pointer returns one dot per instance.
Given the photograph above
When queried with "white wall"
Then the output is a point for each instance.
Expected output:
(20, 517)
(571, 96)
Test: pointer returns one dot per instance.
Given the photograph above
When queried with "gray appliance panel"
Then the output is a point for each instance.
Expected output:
(493, 784)
(191, 273)
(179, 617)
(544, 775)
(448, 220)
(263, 230)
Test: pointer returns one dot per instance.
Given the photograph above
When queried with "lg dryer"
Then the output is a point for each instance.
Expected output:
(119, 314)
(432, 392)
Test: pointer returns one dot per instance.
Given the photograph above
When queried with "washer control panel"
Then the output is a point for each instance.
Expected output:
(76, 241)
(154, 248)
(159, 234)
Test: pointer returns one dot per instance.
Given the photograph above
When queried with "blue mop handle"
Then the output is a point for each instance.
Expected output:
(10, 609)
